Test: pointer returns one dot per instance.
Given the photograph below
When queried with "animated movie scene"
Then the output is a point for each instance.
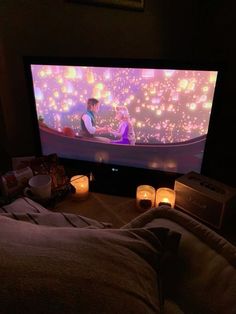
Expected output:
(151, 118)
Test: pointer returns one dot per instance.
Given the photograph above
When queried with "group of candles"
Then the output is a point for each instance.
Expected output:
(146, 195)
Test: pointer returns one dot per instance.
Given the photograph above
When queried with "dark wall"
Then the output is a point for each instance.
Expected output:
(184, 30)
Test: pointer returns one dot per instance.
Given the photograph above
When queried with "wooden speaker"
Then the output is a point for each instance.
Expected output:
(204, 198)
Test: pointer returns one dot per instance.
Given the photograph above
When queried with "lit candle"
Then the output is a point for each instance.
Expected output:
(81, 185)
(165, 196)
(145, 197)
(165, 200)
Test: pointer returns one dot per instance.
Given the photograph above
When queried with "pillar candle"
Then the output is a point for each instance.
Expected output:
(165, 196)
(145, 197)
(81, 185)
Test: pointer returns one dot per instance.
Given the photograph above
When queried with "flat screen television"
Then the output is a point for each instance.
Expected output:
(167, 105)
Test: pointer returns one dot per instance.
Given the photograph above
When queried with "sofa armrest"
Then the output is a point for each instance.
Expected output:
(203, 279)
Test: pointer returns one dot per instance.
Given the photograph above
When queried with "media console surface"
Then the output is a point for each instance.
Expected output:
(117, 180)
(113, 209)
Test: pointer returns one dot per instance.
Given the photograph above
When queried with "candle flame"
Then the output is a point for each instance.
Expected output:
(165, 200)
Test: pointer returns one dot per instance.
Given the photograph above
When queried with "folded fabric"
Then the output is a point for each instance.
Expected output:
(23, 205)
(25, 209)
(47, 269)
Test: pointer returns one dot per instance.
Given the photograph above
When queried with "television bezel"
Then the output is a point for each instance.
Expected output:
(113, 178)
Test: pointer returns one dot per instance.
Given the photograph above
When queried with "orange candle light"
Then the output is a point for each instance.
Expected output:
(165, 196)
(145, 197)
(81, 185)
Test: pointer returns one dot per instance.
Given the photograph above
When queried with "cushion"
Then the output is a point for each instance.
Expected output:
(69, 270)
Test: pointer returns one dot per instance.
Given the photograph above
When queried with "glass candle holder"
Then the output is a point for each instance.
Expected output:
(145, 197)
(165, 196)
(81, 185)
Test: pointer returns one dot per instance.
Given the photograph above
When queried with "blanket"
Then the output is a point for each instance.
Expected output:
(27, 210)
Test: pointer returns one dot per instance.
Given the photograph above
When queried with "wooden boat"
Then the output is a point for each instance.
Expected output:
(178, 157)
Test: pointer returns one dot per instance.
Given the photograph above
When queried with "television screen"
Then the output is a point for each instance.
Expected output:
(135, 114)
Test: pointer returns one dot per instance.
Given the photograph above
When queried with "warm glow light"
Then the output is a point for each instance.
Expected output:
(165, 200)
(165, 196)
(81, 185)
(145, 197)
(70, 73)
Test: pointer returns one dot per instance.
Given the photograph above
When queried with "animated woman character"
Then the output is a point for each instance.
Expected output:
(125, 133)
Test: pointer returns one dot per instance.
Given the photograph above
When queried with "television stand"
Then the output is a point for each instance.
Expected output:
(117, 210)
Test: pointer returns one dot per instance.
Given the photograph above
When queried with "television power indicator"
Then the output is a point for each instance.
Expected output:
(114, 169)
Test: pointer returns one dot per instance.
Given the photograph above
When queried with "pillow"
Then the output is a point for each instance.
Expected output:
(67, 270)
